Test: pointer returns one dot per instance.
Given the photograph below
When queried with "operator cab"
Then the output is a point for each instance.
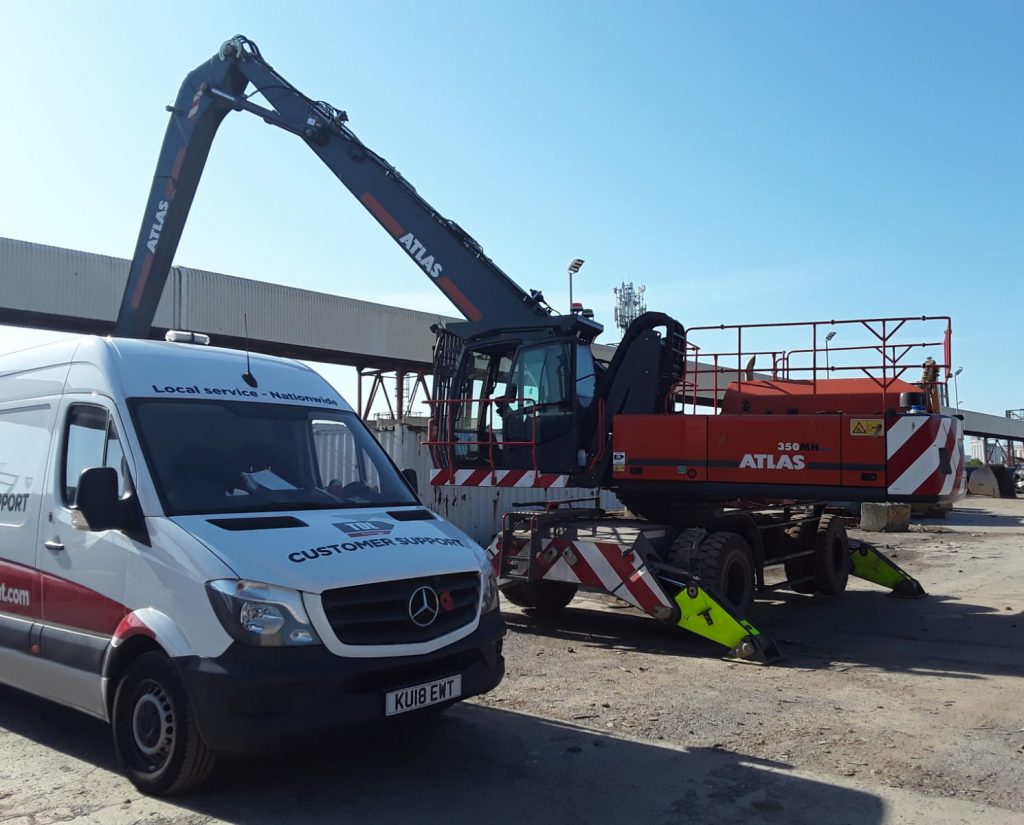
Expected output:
(536, 399)
(520, 400)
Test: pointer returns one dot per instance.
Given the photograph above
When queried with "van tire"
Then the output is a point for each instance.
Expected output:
(544, 598)
(155, 734)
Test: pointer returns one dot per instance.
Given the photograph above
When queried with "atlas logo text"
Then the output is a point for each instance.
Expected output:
(158, 226)
(420, 254)
(767, 461)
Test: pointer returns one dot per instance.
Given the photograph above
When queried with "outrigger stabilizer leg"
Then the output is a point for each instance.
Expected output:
(703, 613)
(872, 564)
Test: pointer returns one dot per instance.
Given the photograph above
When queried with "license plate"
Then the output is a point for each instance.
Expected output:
(421, 696)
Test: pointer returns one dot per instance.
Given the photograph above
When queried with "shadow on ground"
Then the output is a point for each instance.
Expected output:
(938, 635)
(471, 764)
(976, 516)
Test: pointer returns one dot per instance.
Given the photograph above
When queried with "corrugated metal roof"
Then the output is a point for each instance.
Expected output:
(216, 303)
(64, 289)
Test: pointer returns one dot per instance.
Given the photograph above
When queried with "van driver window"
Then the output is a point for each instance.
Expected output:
(90, 441)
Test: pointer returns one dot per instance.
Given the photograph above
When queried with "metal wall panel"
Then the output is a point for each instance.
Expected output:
(218, 304)
(66, 283)
(54, 288)
(476, 511)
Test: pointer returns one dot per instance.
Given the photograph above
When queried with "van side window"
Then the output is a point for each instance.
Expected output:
(23, 449)
(90, 441)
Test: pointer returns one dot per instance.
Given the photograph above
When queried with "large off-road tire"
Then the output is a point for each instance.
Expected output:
(544, 598)
(155, 733)
(683, 551)
(801, 536)
(831, 556)
(725, 562)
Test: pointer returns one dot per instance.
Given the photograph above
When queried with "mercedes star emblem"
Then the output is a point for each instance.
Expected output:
(424, 606)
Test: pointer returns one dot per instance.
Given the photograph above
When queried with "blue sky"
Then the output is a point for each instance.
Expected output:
(747, 161)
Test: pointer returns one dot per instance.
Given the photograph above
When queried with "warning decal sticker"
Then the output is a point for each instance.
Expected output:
(867, 426)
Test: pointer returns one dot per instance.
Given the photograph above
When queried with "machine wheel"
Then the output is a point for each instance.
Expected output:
(545, 598)
(155, 733)
(831, 556)
(685, 547)
(725, 562)
(803, 567)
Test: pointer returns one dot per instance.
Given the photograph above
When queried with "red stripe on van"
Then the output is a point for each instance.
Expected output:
(74, 606)
(19, 584)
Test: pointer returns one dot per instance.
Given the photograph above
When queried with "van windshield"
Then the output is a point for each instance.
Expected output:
(211, 457)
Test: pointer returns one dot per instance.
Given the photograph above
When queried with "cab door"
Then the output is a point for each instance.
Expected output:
(82, 573)
(540, 417)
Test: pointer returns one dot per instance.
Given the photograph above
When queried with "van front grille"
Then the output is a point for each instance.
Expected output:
(402, 612)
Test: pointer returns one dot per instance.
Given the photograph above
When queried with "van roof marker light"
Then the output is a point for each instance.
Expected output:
(179, 336)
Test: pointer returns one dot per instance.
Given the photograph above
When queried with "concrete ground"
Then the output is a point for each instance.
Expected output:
(882, 711)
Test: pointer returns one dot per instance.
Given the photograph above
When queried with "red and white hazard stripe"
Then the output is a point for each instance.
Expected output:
(497, 478)
(915, 448)
(612, 567)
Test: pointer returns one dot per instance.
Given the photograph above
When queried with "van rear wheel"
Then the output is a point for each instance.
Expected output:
(155, 733)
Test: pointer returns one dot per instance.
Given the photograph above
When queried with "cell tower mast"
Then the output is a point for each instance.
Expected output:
(629, 304)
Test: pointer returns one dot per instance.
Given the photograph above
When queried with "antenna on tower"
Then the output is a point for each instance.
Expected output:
(629, 304)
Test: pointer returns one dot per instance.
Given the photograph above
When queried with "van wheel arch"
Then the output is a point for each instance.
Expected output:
(120, 658)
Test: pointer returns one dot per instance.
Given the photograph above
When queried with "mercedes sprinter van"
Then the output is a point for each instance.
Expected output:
(214, 557)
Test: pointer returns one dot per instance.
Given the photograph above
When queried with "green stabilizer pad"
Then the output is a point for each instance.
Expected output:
(873, 565)
(755, 650)
(702, 614)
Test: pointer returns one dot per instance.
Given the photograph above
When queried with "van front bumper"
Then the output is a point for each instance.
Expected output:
(254, 696)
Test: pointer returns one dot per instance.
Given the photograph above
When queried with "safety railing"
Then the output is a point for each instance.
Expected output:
(444, 446)
(893, 346)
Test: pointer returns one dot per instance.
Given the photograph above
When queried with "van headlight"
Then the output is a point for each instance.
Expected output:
(260, 614)
(488, 587)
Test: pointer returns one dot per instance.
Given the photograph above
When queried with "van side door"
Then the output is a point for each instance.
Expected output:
(82, 572)
(26, 430)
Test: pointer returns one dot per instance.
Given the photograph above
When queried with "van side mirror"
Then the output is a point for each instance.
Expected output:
(95, 506)
(411, 477)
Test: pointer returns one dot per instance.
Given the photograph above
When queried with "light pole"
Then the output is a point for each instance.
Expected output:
(574, 267)
(828, 338)
(956, 389)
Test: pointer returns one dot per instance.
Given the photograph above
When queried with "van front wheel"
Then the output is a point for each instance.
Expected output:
(155, 733)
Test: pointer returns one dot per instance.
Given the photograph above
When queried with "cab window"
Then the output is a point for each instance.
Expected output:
(540, 377)
(586, 378)
(485, 386)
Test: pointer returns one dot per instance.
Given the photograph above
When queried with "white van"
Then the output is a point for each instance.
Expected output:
(214, 557)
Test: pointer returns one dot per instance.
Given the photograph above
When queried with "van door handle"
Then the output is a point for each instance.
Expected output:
(54, 544)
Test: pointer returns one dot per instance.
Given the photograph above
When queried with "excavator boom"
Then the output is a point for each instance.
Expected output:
(447, 254)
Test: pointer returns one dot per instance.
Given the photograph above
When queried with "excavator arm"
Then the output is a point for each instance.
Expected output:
(447, 254)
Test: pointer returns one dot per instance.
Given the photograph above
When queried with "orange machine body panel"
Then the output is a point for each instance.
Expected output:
(787, 450)
(769, 449)
(854, 396)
